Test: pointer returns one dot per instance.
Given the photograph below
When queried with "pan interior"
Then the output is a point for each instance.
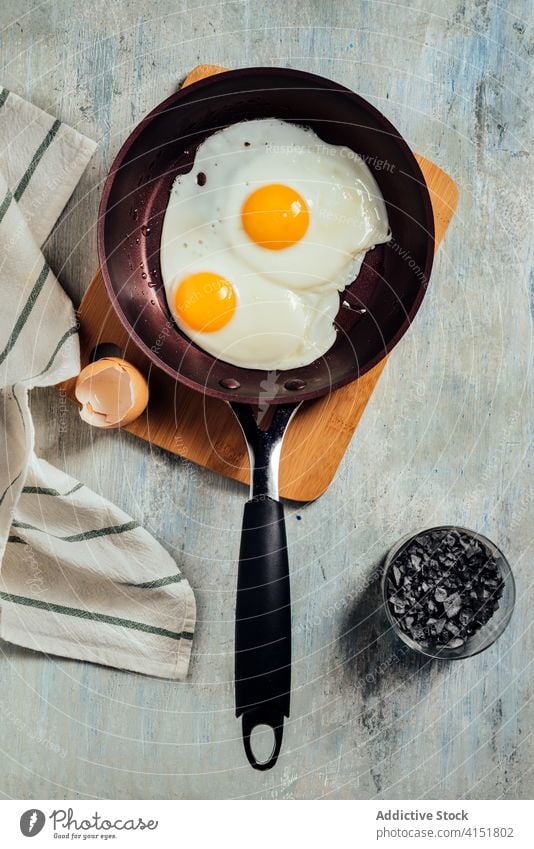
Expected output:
(379, 305)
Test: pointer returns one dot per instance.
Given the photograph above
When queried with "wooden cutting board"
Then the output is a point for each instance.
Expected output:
(204, 430)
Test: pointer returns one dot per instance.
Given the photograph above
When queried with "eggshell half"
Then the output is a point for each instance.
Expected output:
(112, 393)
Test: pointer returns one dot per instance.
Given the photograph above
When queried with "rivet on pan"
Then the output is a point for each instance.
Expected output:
(295, 385)
(229, 383)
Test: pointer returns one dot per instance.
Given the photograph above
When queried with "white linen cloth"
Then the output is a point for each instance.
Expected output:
(79, 578)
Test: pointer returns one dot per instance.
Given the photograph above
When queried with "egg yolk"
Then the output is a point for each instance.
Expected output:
(275, 217)
(205, 301)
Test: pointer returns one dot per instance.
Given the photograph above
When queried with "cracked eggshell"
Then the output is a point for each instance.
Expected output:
(112, 393)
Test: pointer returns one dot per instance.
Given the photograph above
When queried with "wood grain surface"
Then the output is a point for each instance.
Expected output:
(204, 430)
(445, 437)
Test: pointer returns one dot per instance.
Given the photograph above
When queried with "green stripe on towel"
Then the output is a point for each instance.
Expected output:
(8, 487)
(4, 94)
(18, 405)
(159, 582)
(28, 306)
(4, 206)
(68, 333)
(37, 156)
(94, 617)
(46, 490)
(98, 532)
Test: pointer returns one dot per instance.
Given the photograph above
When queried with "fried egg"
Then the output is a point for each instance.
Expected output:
(261, 236)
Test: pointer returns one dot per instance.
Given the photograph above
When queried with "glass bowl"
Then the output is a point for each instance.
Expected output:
(489, 632)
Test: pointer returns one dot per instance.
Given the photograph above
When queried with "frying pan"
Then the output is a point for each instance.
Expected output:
(375, 311)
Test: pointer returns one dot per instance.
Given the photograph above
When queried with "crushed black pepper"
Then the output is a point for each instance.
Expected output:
(442, 587)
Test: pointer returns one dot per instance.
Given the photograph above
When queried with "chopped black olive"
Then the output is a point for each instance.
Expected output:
(443, 587)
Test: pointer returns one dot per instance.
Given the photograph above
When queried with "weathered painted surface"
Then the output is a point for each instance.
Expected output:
(445, 438)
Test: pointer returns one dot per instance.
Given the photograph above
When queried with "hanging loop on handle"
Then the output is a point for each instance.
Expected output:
(262, 716)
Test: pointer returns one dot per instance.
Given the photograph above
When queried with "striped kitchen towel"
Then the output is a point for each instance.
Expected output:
(79, 578)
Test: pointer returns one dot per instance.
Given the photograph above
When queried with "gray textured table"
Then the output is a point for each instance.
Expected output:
(445, 438)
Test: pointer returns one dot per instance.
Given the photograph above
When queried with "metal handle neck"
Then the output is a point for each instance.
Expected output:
(264, 447)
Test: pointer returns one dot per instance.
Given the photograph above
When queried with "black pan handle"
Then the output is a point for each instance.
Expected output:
(263, 614)
(263, 625)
